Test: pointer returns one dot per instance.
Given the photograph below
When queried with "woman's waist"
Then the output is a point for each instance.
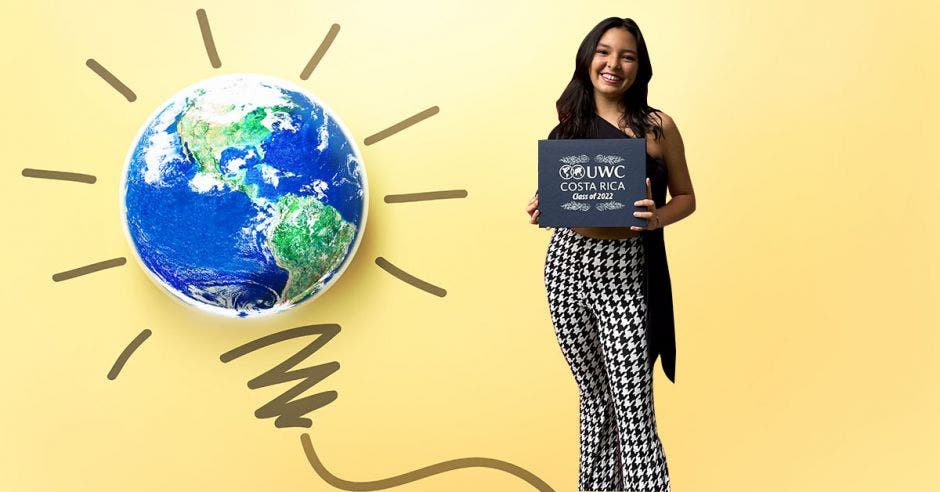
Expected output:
(606, 233)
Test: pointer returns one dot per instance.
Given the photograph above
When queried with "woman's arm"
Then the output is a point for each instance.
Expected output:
(682, 203)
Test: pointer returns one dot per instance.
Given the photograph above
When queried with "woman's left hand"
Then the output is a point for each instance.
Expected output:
(652, 218)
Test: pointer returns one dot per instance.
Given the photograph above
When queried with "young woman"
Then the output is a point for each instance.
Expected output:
(608, 287)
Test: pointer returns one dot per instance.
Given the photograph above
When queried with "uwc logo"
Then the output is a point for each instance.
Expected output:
(571, 172)
(578, 171)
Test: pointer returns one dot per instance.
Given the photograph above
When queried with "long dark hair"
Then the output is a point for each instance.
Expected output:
(576, 108)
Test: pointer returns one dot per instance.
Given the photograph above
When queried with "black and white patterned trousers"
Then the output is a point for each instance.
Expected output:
(598, 306)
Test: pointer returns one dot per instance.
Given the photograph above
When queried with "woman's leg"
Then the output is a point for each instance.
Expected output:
(576, 330)
(616, 293)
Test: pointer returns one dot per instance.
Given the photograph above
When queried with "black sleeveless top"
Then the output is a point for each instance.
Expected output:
(660, 328)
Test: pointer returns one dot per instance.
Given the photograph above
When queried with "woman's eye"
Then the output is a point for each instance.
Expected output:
(602, 52)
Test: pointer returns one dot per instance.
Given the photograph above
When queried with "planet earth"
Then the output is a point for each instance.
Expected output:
(244, 195)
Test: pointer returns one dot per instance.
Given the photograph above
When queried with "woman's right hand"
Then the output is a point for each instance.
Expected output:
(533, 209)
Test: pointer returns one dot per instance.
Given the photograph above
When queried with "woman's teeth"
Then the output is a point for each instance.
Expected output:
(610, 78)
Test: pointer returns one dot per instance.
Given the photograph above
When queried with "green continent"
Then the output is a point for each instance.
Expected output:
(206, 141)
(310, 240)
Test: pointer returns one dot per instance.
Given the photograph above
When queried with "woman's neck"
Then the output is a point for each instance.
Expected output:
(609, 109)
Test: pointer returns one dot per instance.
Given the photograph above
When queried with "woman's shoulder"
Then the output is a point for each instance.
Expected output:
(664, 120)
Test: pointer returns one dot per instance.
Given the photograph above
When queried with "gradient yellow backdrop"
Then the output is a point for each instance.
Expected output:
(805, 284)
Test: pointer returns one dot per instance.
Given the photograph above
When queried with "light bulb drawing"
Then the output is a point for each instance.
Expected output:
(292, 407)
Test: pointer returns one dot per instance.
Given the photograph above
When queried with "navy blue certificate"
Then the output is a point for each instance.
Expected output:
(591, 182)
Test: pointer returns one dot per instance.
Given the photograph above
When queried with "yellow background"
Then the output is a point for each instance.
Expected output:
(805, 284)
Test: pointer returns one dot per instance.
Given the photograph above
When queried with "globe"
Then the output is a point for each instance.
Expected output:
(243, 195)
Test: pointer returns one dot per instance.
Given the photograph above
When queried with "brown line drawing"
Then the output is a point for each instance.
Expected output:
(62, 175)
(324, 45)
(111, 79)
(409, 278)
(427, 195)
(126, 354)
(94, 267)
(397, 127)
(288, 411)
(420, 473)
(207, 38)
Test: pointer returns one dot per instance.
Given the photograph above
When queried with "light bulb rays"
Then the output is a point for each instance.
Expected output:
(60, 175)
(401, 125)
(207, 38)
(126, 354)
(409, 278)
(111, 79)
(92, 268)
(318, 55)
(426, 195)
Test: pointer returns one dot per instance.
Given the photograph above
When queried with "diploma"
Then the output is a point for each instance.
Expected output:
(591, 182)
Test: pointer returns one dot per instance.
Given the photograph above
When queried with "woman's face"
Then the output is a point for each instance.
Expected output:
(615, 63)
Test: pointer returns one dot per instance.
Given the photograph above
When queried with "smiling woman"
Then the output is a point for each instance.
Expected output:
(608, 287)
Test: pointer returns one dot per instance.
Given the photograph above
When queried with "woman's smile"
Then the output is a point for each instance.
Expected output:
(614, 64)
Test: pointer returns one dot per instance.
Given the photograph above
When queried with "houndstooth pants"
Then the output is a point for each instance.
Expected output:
(598, 306)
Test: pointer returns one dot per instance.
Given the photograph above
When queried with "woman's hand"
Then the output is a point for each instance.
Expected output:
(533, 209)
(652, 219)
